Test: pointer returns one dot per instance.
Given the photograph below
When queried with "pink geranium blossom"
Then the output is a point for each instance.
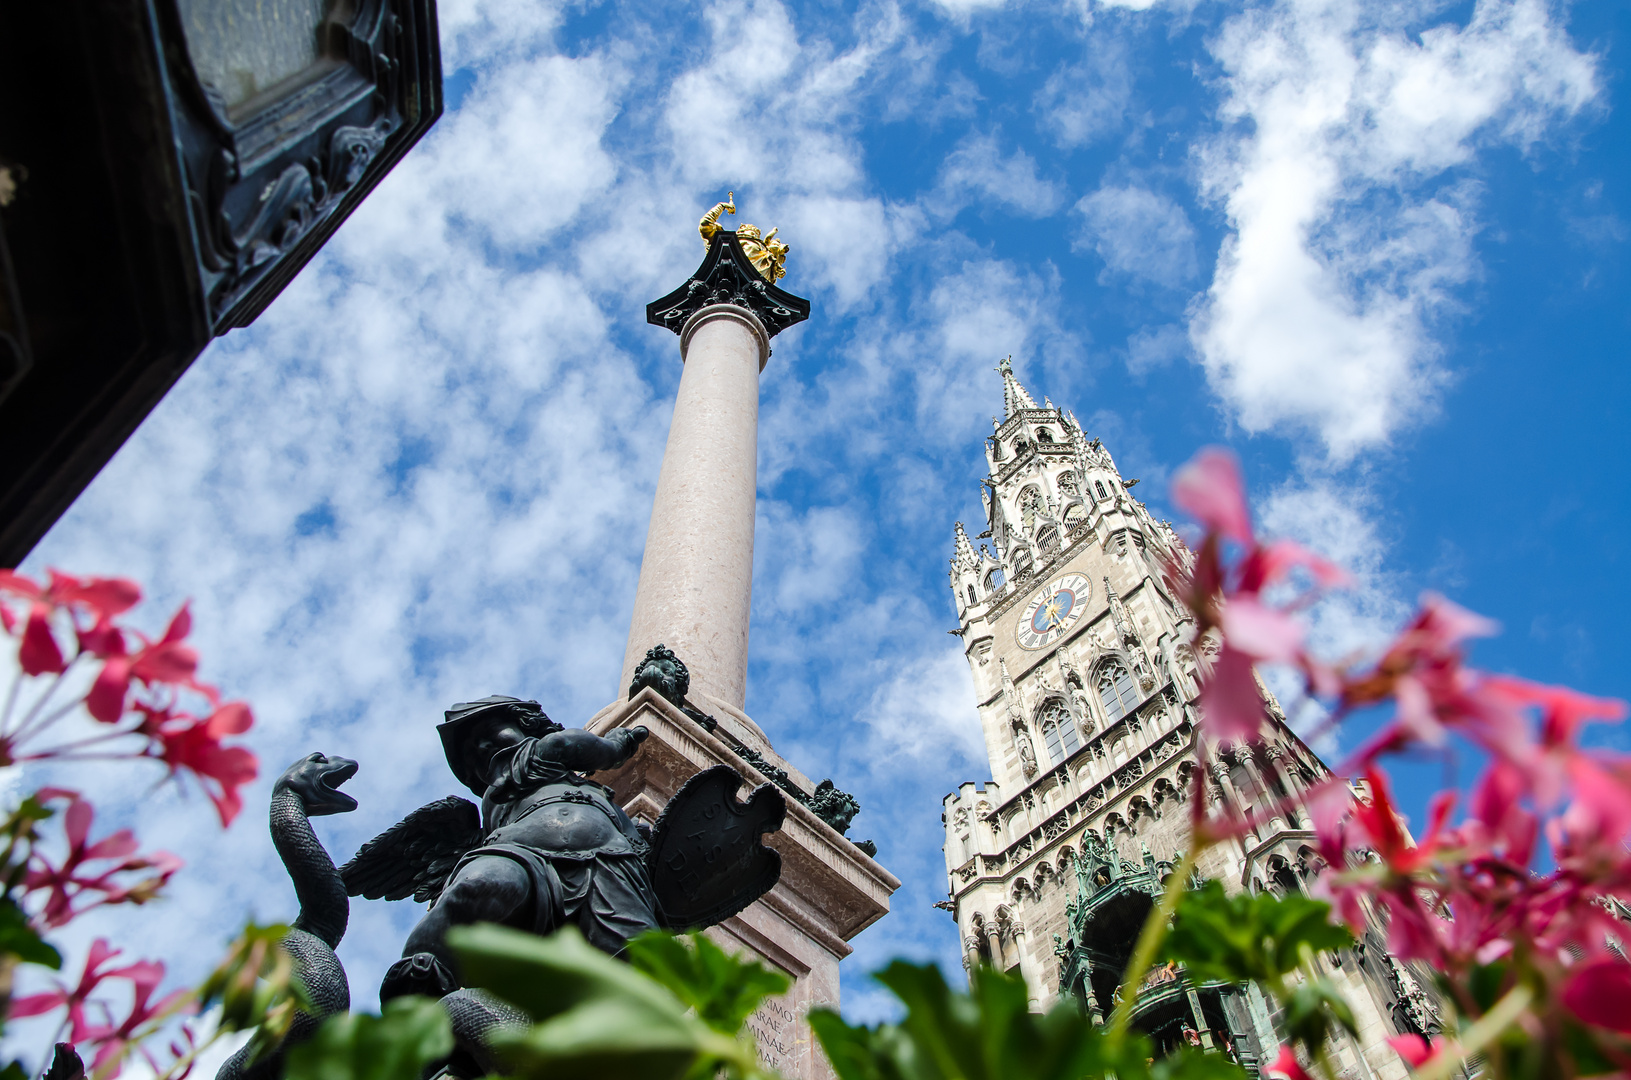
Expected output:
(63, 886)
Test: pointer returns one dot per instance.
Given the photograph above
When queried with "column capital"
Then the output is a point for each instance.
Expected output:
(728, 276)
(714, 312)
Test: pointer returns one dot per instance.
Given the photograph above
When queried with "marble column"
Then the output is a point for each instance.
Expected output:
(1276, 820)
(1027, 969)
(696, 579)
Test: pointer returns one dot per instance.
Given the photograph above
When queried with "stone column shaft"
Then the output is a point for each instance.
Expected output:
(696, 578)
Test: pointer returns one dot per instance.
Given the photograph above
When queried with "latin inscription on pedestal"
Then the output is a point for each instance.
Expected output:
(775, 1029)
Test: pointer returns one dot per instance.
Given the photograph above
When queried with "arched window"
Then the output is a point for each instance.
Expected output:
(1043, 435)
(1031, 499)
(1022, 564)
(1048, 539)
(1116, 691)
(1059, 731)
(1074, 513)
(971, 594)
(1099, 484)
(993, 581)
(1067, 483)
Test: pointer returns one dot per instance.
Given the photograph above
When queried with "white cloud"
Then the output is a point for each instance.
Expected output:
(1083, 103)
(1338, 521)
(1140, 233)
(976, 172)
(1348, 237)
(1155, 347)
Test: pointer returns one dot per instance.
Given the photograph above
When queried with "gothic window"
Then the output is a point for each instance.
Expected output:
(1099, 484)
(993, 581)
(1031, 499)
(1022, 564)
(1059, 731)
(1074, 513)
(1067, 483)
(971, 594)
(1043, 435)
(1048, 539)
(1116, 691)
(1020, 446)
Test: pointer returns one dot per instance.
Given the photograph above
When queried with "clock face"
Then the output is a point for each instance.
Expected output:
(1055, 609)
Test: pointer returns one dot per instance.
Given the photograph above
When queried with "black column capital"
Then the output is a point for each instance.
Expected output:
(726, 276)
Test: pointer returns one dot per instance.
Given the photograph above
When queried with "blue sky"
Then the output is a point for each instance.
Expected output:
(1379, 249)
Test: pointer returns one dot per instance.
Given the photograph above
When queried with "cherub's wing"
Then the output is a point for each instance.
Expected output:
(416, 855)
(708, 859)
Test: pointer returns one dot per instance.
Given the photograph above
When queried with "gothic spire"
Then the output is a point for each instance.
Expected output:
(1014, 396)
(965, 557)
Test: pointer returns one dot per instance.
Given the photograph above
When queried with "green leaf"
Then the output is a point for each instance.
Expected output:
(1313, 1010)
(1248, 936)
(723, 989)
(411, 1033)
(594, 1016)
(1188, 1064)
(985, 1034)
(18, 939)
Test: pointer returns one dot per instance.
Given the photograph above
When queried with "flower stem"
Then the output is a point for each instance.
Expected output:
(1149, 939)
(1486, 1030)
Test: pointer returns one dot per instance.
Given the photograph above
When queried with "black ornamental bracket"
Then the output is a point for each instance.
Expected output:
(727, 276)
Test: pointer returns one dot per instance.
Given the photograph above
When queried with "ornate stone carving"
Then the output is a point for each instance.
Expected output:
(727, 276)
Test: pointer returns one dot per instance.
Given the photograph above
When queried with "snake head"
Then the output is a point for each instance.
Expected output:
(316, 780)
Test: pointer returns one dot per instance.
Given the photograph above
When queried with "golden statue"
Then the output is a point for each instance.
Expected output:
(767, 254)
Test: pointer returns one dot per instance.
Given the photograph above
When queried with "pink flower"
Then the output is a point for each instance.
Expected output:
(195, 745)
(39, 653)
(1600, 993)
(1416, 1050)
(114, 1039)
(168, 661)
(1209, 490)
(93, 975)
(1230, 701)
(1285, 1066)
(65, 884)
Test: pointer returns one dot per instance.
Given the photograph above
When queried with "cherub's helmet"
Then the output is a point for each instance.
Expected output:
(467, 718)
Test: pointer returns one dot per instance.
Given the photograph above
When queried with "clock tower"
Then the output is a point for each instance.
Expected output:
(1086, 679)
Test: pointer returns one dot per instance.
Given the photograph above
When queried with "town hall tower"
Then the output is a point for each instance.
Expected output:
(1086, 678)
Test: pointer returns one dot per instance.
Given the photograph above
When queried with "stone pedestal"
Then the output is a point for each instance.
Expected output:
(829, 889)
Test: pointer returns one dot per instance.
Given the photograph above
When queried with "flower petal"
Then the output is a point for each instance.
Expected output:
(1209, 489)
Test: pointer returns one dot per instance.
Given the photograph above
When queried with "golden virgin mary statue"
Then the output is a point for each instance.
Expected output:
(768, 254)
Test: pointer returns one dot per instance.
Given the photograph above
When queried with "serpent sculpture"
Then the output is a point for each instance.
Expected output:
(308, 788)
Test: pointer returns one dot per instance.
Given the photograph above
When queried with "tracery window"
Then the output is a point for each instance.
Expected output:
(1059, 732)
(1043, 435)
(1099, 484)
(1031, 499)
(1048, 540)
(971, 599)
(1022, 564)
(1067, 483)
(1116, 690)
(993, 581)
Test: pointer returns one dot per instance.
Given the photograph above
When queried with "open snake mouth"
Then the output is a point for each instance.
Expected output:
(339, 770)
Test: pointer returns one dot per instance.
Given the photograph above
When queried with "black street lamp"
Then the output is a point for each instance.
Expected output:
(166, 168)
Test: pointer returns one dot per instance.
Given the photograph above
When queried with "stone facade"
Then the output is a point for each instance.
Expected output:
(1086, 674)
